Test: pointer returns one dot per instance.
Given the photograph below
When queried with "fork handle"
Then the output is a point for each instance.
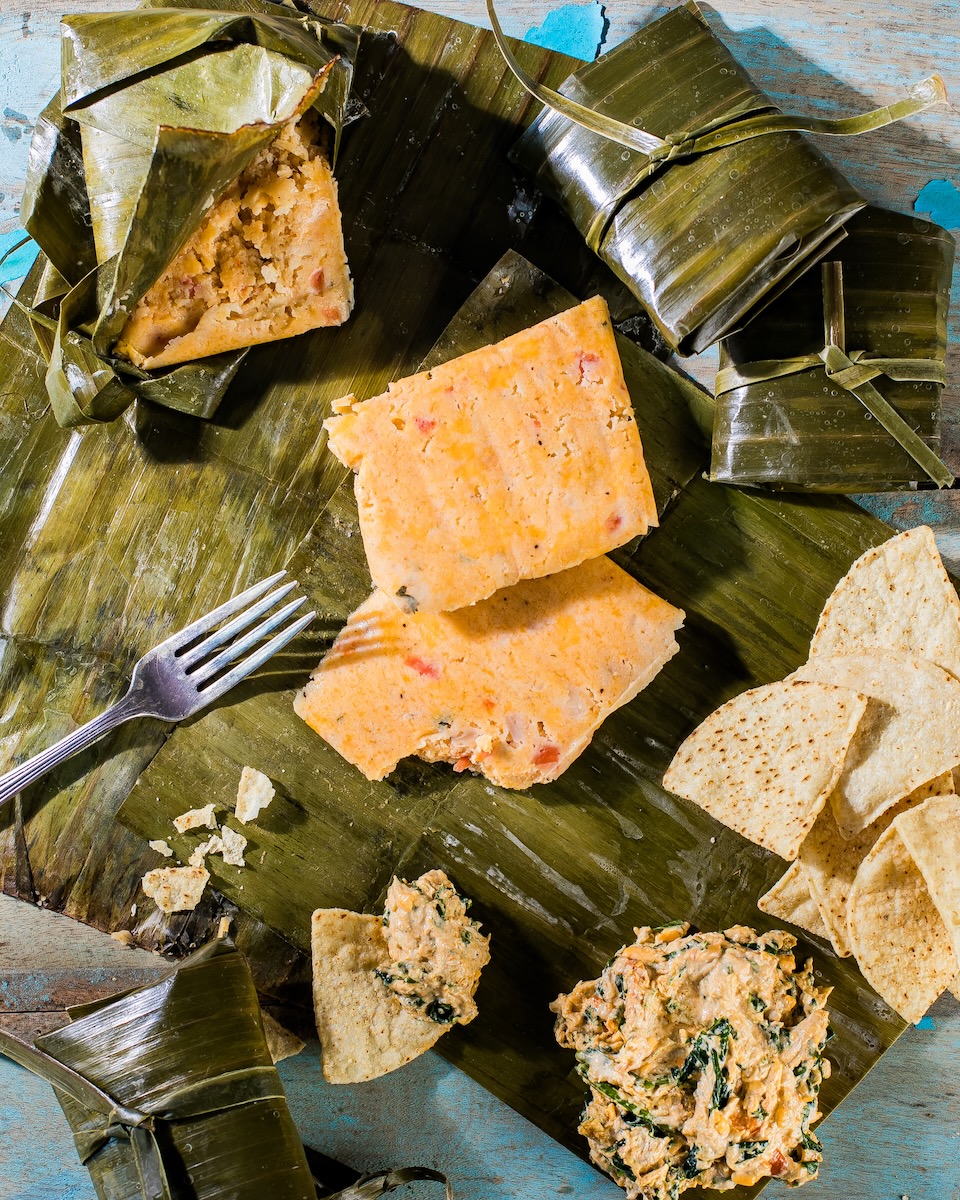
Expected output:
(17, 779)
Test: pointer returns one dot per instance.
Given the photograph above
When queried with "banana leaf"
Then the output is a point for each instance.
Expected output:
(687, 180)
(116, 535)
(789, 411)
(559, 874)
(159, 111)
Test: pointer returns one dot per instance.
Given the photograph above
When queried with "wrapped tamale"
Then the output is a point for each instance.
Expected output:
(196, 151)
(172, 1094)
(686, 179)
(170, 1089)
(809, 392)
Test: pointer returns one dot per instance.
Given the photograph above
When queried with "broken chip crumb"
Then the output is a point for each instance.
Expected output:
(213, 845)
(253, 795)
(161, 847)
(233, 846)
(175, 889)
(195, 818)
(124, 937)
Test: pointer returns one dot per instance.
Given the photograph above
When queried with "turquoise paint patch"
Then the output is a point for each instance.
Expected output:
(926, 1023)
(574, 29)
(941, 199)
(20, 260)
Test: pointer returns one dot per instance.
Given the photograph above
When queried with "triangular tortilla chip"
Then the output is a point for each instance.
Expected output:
(365, 1031)
(931, 833)
(899, 939)
(765, 762)
(909, 734)
(895, 597)
(790, 900)
(830, 861)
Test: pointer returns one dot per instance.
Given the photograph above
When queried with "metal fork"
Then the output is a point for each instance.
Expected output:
(181, 675)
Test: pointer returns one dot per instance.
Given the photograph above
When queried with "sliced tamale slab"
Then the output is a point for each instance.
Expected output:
(686, 179)
(788, 416)
(159, 112)
(560, 873)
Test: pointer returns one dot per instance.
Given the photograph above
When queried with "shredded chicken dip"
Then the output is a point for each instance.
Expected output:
(704, 1055)
(436, 950)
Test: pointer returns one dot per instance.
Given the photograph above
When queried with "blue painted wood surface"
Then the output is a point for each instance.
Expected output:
(898, 1135)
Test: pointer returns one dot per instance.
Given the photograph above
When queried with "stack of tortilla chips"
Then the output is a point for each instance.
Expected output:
(846, 769)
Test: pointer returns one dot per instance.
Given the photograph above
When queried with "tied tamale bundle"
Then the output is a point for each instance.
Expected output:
(836, 385)
(686, 179)
(181, 187)
(172, 1094)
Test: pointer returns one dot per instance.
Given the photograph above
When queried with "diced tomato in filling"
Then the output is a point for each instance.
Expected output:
(425, 425)
(613, 522)
(546, 756)
(777, 1164)
(189, 285)
(585, 359)
(461, 764)
(421, 666)
(317, 280)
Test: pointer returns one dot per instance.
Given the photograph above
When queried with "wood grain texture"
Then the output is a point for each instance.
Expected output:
(897, 1134)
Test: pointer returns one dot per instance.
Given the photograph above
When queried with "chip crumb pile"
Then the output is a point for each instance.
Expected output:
(876, 865)
(376, 1011)
(180, 888)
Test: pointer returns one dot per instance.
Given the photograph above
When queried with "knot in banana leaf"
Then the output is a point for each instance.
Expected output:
(855, 378)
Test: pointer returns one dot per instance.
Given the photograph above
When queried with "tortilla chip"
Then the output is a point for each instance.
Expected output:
(253, 795)
(899, 939)
(281, 1042)
(365, 1031)
(790, 900)
(830, 861)
(765, 762)
(895, 597)
(175, 889)
(909, 735)
(931, 833)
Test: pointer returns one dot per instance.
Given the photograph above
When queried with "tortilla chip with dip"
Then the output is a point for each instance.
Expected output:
(364, 1029)
(765, 762)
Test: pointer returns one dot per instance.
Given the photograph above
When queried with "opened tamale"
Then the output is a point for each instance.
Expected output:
(687, 180)
(196, 148)
(789, 411)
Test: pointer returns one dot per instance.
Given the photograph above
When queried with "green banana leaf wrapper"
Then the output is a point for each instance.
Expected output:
(170, 1089)
(786, 417)
(690, 183)
(171, 1094)
(159, 111)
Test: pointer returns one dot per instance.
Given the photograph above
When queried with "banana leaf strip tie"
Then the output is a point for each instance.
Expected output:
(600, 189)
(836, 385)
(158, 103)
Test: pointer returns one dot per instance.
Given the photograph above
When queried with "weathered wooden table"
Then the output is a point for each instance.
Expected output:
(897, 1136)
